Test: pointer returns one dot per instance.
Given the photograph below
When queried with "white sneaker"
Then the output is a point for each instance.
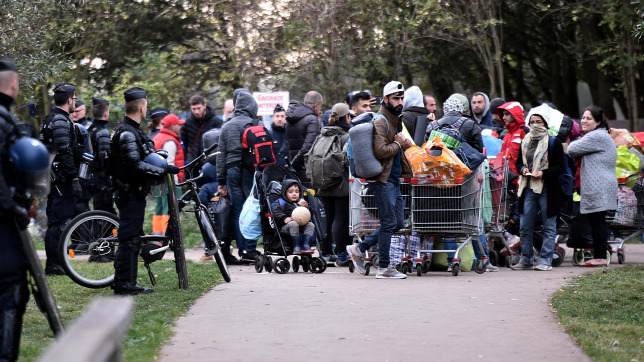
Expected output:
(390, 273)
(492, 268)
(543, 267)
(357, 257)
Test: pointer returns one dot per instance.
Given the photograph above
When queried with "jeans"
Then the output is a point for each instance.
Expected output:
(390, 206)
(239, 182)
(532, 203)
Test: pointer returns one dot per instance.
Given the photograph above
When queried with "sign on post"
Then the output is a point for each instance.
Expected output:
(266, 101)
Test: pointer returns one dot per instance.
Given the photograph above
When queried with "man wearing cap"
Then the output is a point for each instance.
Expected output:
(57, 133)
(14, 292)
(168, 140)
(80, 113)
(389, 145)
(278, 134)
(99, 135)
(128, 149)
(156, 116)
(302, 129)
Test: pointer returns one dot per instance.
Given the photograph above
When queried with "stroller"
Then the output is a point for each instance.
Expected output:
(269, 187)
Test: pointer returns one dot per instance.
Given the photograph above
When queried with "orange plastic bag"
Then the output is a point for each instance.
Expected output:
(418, 159)
(443, 163)
(623, 137)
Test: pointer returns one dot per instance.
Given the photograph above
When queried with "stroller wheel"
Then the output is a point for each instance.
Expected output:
(306, 263)
(282, 265)
(268, 264)
(296, 264)
(557, 258)
(259, 263)
(318, 265)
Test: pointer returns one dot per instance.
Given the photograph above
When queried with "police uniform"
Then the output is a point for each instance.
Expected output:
(131, 174)
(101, 185)
(57, 133)
(86, 122)
(13, 262)
(84, 146)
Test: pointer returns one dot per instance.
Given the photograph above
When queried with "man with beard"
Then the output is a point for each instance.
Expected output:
(278, 134)
(481, 110)
(202, 120)
(302, 129)
(57, 133)
(389, 145)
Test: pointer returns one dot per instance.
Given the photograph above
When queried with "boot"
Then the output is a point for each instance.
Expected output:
(228, 257)
(297, 242)
(306, 244)
(129, 287)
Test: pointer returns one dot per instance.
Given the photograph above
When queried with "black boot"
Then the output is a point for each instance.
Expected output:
(306, 244)
(129, 287)
(228, 257)
(13, 302)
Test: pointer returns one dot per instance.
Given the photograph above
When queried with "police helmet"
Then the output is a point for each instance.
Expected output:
(31, 160)
(159, 161)
(84, 137)
(211, 138)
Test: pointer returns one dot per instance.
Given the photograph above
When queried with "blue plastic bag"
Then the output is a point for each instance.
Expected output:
(250, 220)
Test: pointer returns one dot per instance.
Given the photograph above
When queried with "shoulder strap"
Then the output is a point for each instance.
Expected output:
(194, 142)
(458, 124)
(385, 118)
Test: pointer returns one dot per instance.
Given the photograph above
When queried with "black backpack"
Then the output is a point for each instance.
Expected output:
(257, 146)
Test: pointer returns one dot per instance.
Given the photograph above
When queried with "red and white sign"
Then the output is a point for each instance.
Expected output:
(266, 101)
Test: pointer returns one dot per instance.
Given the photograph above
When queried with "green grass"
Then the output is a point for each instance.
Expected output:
(603, 313)
(154, 314)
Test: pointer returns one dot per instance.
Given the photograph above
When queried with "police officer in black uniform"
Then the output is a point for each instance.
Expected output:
(57, 133)
(13, 262)
(80, 113)
(128, 149)
(99, 135)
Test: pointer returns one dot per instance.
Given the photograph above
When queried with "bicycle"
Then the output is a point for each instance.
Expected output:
(89, 242)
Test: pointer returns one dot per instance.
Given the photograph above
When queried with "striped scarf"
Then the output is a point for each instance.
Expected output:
(540, 161)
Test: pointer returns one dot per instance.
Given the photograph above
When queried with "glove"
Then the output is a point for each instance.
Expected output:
(21, 216)
(76, 186)
(172, 169)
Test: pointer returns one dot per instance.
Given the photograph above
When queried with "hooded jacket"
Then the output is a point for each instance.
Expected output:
(191, 128)
(230, 147)
(384, 147)
(281, 212)
(486, 119)
(413, 107)
(516, 132)
(302, 128)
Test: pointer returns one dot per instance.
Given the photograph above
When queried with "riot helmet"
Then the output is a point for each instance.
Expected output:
(32, 161)
(211, 138)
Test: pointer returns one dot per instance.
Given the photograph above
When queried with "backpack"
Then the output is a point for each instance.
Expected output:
(364, 164)
(566, 179)
(257, 146)
(324, 162)
(450, 134)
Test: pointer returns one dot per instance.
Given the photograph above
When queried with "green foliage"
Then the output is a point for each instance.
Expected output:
(603, 313)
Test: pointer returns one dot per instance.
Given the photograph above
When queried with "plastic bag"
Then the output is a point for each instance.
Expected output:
(443, 163)
(250, 220)
(626, 206)
(418, 160)
(220, 209)
(623, 137)
(628, 165)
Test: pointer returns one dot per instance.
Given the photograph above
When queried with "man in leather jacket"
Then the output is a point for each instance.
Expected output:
(57, 133)
(128, 149)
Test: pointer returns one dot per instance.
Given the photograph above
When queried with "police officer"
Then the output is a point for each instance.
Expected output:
(129, 148)
(13, 263)
(57, 133)
(80, 113)
(99, 135)
(84, 146)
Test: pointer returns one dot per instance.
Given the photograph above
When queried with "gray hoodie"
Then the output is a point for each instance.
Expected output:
(230, 147)
(486, 118)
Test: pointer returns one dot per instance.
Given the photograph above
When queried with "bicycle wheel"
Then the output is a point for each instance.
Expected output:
(176, 237)
(87, 248)
(211, 241)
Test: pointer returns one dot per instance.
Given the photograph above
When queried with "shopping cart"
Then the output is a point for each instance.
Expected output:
(498, 207)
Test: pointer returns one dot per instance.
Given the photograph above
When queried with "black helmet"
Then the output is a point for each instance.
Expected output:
(31, 160)
(211, 138)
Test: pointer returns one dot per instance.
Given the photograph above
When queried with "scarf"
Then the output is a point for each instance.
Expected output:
(540, 161)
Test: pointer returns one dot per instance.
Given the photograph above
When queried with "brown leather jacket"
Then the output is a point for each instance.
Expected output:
(384, 147)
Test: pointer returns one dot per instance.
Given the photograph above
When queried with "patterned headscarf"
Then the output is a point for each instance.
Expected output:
(452, 104)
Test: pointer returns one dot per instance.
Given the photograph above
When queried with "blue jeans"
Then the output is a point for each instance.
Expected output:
(390, 206)
(532, 203)
(239, 182)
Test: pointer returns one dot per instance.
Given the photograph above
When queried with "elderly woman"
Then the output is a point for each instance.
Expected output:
(598, 182)
(540, 162)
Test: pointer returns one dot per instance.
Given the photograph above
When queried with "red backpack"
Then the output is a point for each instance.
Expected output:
(257, 146)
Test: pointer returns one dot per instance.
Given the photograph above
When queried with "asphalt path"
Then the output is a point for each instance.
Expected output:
(502, 316)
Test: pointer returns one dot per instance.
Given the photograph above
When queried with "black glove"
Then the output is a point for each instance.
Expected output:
(22, 217)
(76, 186)
(172, 169)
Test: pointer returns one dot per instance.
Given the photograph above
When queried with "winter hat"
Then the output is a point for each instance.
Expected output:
(452, 104)
(393, 87)
(495, 103)
(543, 116)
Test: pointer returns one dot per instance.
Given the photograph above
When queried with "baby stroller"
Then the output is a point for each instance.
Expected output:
(269, 186)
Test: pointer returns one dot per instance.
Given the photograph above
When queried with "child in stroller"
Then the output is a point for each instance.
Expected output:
(282, 213)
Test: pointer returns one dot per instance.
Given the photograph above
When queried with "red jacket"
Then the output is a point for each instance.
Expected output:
(164, 136)
(512, 139)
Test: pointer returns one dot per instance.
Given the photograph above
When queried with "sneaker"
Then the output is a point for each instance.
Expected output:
(330, 258)
(390, 273)
(449, 269)
(231, 260)
(543, 267)
(345, 262)
(357, 257)
(250, 255)
(492, 268)
(519, 266)
(205, 258)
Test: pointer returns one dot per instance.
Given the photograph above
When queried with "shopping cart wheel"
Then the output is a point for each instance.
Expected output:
(282, 265)
(419, 269)
(557, 258)
(374, 259)
(268, 264)
(455, 269)
(352, 268)
(620, 258)
(480, 266)
(494, 258)
(259, 263)
(296, 264)
(508, 261)
(367, 266)
(426, 266)
(577, 257)
(402, 267)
